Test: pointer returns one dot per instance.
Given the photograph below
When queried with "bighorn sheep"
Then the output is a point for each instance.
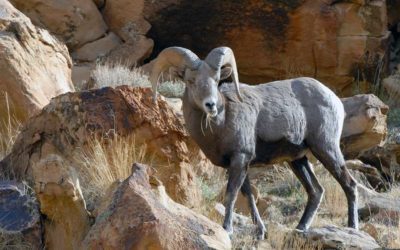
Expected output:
(240, 125)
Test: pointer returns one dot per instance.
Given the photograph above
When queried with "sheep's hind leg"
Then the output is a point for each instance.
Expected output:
(236, 176)
(332, 159)
(305, 174)
(246, 191)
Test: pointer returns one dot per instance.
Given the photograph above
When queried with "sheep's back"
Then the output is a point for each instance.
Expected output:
(297, 109)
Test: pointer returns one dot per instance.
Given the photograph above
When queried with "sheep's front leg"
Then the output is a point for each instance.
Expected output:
(236, 176)
(255, 215)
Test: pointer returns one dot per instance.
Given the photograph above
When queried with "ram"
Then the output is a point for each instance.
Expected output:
(238, 125)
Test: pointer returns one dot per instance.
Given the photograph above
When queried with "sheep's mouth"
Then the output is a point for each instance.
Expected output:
(213, 113)
(208, 120)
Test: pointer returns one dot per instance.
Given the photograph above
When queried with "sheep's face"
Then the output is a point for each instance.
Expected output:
(202, 86)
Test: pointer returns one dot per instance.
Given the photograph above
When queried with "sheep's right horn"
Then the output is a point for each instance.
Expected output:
(172, 57)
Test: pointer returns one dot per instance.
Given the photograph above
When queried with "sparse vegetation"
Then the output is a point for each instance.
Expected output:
(116, 74)
(279, 185)
(386, 226)
(9, 130)
(105, 161)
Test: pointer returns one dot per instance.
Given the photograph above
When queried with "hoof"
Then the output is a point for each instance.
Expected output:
(301, 228)
(353, 224)
(229, 231)
(260, 236)
(261, 233)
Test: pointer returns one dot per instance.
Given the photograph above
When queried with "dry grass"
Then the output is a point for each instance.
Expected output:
(333, 210)
(8, 135)
(392, 86)
(8, 131)
(290, 199)
(117, 74)
(244, 239)
(105, 161)
(387, 227)
(334, 203)
(210, 189)
(210, 186)
(279, 180)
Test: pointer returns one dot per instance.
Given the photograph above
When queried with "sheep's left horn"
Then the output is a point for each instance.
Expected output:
(220, 57)
(172, 57)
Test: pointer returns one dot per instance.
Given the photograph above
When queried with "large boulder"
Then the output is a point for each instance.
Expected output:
(34, 66)
(19, 217)
(333, 41)
(365, 124)
(77, 21)
(72, 119)
(140, 218)
(91, 51)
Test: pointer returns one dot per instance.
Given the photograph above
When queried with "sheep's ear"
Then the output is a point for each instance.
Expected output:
(225, 73)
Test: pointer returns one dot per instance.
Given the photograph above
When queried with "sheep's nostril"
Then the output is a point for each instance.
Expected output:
(210, 105)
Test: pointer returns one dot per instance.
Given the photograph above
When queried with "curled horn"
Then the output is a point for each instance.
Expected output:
(220, 57)
(172, 57)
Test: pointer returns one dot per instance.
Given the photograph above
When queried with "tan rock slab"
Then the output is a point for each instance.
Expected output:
(77, 21)
(99, 48)
(34, 66)
(365, 124)
(140, 218)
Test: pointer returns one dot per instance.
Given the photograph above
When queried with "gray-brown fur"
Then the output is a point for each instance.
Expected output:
(265, 123)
